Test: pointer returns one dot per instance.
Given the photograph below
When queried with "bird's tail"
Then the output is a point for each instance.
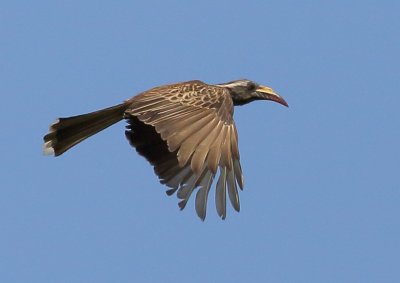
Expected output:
(64, 133)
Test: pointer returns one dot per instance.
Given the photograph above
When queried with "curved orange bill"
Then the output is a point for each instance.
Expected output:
(264, 92)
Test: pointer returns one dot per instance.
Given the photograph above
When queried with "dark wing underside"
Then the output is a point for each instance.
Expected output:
(186, 131)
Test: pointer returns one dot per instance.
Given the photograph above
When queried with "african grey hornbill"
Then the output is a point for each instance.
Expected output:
(185, 130)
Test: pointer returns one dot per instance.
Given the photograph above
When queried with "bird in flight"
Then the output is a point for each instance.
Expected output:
(185, 130)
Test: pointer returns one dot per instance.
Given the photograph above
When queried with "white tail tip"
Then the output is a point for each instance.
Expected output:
(48, 148)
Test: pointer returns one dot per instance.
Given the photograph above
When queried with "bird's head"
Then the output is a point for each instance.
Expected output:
(245, 91)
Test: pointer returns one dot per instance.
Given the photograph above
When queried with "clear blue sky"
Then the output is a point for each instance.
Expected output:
(322, 190)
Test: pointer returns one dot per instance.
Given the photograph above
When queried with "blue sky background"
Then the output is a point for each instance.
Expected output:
(322, 190)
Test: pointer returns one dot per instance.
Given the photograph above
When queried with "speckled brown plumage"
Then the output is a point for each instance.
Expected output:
(186, 131)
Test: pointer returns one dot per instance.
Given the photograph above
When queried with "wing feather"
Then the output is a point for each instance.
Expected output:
(238, 173)
(179, 137)
(186, 137)
(176, 131)
(226, 149)
(189, 145)
(214, 154)
(204, 146)
(170, 114)
(202, 195)
(232, 190)
(175, 178)
(220, 194)
(186, 190)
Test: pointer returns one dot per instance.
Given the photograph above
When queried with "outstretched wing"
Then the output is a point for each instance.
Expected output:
(186, 131)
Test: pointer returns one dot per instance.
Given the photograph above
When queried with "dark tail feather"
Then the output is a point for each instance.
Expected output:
(67, 132)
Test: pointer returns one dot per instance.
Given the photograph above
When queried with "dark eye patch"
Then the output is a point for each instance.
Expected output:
(251, 86)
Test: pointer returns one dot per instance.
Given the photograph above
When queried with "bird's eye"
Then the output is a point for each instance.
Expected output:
(251, 86)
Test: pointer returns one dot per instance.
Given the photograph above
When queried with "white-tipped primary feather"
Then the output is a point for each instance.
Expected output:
(48, 148)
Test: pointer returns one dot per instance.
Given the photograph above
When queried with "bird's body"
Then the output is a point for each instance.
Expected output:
(185, 130)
